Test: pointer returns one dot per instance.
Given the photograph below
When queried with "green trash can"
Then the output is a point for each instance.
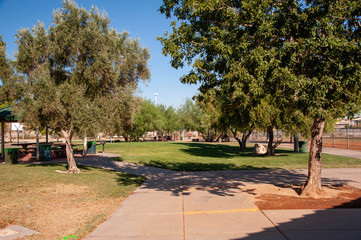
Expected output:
(91, 147)
(303, 146)
(11, 156)
(45, 152)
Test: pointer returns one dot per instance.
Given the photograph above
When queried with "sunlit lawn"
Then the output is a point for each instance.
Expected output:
(203, 156)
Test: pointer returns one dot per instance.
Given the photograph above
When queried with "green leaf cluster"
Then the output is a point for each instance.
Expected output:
(269, 64)
(72, 69)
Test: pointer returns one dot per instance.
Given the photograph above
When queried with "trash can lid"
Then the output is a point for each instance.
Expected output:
(45, 146)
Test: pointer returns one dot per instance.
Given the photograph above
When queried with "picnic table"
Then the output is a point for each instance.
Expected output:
(24, 145)
(59, 149)
(28, 145)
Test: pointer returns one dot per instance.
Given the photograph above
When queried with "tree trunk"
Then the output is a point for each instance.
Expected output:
(313, 186)
(234, 133)
(85, 147)
(270, 149)
(10, 132)
(296, 146)
(72, 168)
(245, 137)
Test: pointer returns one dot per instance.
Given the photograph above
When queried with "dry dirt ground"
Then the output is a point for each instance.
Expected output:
(61, 210)
(268, 196)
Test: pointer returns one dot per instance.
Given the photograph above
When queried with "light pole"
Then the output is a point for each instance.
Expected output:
(156, 102)
(156, 98)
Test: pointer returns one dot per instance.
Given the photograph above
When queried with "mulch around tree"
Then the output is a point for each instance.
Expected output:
(340, 197)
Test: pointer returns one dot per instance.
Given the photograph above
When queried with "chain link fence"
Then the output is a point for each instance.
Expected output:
(349, 138)
(343, 138)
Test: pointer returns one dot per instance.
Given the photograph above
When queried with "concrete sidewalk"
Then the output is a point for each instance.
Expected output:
(209, 205)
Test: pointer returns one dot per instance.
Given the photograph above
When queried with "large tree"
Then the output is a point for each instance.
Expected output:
(321, 61)
(5, 69)
(299, 56)
(69, 69)
(7, 89)
(149, 118)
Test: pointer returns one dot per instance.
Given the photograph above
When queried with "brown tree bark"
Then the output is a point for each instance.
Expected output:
(245, 135)
(234, 133)
(85, 147)
(313, 184)
(270, 149)
(72, 167)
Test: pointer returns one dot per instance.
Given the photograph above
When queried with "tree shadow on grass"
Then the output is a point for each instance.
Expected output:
(216, 182)
(117, 159)
(210, 150)
(63, 165)
(224, 151)
(198, 166)
(126, 179)
(123, 179)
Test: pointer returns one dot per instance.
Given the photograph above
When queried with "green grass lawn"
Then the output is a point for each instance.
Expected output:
(56, 204)
(203, 156)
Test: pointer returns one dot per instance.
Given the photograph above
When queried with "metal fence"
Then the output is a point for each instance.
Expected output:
(340, 138)
(263, 136)
(343, 138)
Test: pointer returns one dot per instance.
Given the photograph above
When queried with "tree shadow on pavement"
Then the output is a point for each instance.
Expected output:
(126, 179)
(225, 183)
(222, 183)
(340, 222)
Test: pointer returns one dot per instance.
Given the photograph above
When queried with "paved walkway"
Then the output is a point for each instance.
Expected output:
(209, 205)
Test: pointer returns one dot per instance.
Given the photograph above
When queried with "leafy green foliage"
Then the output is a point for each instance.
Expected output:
(288, 58)
(190, 115)
(170, 118)
(149, 118)
(8, 88)
(70, 70)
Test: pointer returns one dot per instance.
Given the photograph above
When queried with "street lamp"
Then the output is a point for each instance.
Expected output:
(156, 98)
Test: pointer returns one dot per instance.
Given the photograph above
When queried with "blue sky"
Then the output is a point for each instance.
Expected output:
(140, 18)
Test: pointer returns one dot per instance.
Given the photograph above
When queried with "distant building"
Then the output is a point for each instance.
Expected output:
(357, 121)
(342, 123)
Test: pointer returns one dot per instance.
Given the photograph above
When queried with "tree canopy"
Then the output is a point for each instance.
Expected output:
(301, 57)
(6, 75)
(72, 68)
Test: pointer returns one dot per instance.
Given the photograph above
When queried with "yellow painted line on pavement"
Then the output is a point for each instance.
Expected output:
(210, 188)
(222, 211)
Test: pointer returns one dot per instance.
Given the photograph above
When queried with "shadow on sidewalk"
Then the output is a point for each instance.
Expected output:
(222, 183)
(340, 222)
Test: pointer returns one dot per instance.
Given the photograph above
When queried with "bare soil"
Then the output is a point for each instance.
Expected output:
(61, 209)
(270, 197)
(351, 145)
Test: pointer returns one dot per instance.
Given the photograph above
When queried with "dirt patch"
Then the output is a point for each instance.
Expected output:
(58, 210)
(267, 197)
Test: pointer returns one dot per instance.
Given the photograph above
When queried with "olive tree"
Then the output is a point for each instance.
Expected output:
(69, 69)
